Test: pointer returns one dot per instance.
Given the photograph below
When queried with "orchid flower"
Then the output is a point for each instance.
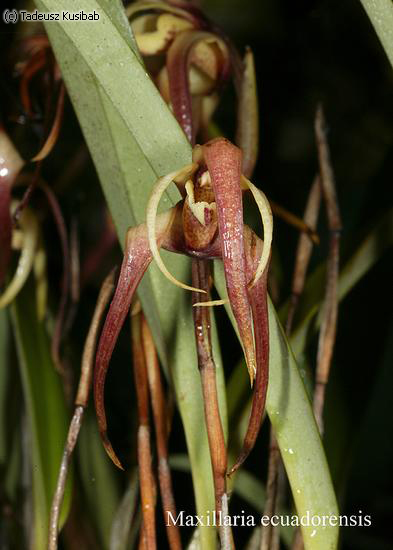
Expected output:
(196, 61)
(206, 224)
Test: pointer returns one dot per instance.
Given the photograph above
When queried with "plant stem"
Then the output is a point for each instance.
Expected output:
(304, 250)
(81, 401)
(292, 219)
(161, 429)
(327, 333)
(270, 535)
(207, 369)
(146, 477)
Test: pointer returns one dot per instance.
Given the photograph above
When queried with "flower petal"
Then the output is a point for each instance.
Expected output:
(151, 214)
(179, 58)
(155, 42)
(267, 220)
(224, 160)
(258, 300)
(137, 258)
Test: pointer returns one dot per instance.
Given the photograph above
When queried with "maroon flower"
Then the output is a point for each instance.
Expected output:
(206, 224)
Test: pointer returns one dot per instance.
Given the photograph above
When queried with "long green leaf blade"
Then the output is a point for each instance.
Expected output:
(47, 414)
(99, 482)
(297, 434)
(380, 13)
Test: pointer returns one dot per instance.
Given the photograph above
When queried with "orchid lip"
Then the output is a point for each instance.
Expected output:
(151, 213)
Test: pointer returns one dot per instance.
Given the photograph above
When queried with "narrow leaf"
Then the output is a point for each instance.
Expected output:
(380, 13)
(297, 434)
(46, 411)
(100, 488)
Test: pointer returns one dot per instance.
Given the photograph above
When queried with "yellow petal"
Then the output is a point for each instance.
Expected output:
(267, 221)
(151, 213)
(29, 226)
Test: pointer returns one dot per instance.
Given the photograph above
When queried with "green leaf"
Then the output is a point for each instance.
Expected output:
(245, 485)
(380, 13)
(47, 414)
(133, 139)
(124, 520)
(297, 434)
(98, 479)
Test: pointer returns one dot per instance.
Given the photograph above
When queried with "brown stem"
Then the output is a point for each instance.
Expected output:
(270, 534)
(57, 500)
(142, 544)
(161, 431)
(303, 253)
(327, 333)
(84, 386)
(80, 405)
(326, 171)
(296, 222)
(207, 369)
(146, 477)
